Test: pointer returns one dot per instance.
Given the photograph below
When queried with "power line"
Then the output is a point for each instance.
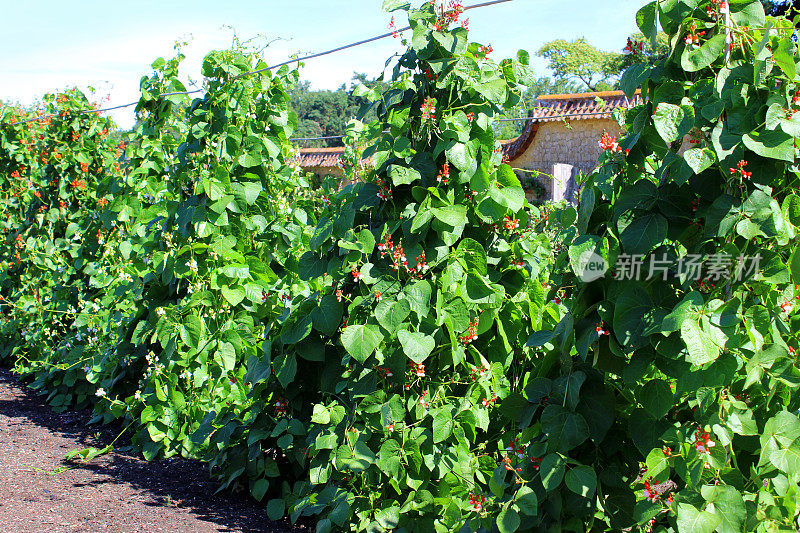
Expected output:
(296, 60)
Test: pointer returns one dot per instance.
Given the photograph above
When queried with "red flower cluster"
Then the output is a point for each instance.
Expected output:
(422, 401)
(633, 47)
(477, 372)
(444, 175)
(511, 223)
(339, 295)
(454, 10)
(537, 462)
(428, 109)
(649, 493)
(281, 406)
(384, 191)
(516, 448)
(470, 116)
(739, 170)
(472, 334)
(600, 329)
(102, 202)
(418, 369)
(395, 33)
(486, 50)
(518, 264)
(84, 167)
(718, 5)
(430, 74)
(609, 143)
(693, 37)
(78, 184)
(383, 371)
(703, 440)
(357, 275)
(477, 500)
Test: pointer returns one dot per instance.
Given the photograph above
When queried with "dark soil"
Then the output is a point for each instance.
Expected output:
(118, 492)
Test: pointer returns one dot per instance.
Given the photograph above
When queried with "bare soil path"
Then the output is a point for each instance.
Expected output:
(118, 493)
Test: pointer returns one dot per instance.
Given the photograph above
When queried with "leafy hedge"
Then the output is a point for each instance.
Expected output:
(422, 350)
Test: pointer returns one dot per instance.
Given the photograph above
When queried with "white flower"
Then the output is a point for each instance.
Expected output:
(137, 395)
(160, 312)
(100, 392)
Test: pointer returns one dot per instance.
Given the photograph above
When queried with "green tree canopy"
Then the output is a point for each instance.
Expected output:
(579, 60)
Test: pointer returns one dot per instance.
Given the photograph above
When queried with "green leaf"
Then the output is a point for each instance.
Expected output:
(327, 317)
(551, 471)
(417, 346)
(260, 489)
(358, 458)
(526, 501)
(774, 144)
(297, 330)
(644, 234)
(452, 215)
(226, 356)
(508, 521)
(391, 314)
(656, 398)
(728, 505)
(192, 331)
(700, 58)
(394, 5)
(699, 159)
(673, 121)
(234, 295)
(582, 480)
(361, 340)
(403, 175)
(690, 520)
(701, 347)
(646, 20)
(565, 430)
(275, 509)
(443, 424)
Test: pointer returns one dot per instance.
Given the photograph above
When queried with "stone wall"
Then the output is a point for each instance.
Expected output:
(561, 150)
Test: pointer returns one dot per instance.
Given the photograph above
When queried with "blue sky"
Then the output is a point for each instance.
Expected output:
(48, 45)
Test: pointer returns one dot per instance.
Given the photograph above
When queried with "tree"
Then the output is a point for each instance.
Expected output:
(326, 113)
(579, 60)
(542, 85)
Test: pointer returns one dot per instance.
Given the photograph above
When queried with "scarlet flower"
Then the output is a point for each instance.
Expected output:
(470, 116)
(428, 109)
(472, 334)
(740, 171)
(477, 500)
(444, 174)
(357, 275)
(693, 37)
(511, 223)
(609, 143)
(600, 330)
(390, 428)
(78, 184)
(703, 441)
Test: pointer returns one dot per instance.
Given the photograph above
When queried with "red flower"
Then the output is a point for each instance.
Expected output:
(609, 143)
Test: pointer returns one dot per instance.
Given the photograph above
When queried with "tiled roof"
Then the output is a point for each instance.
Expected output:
(578, 106)
(549, 108)
(319, 157)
